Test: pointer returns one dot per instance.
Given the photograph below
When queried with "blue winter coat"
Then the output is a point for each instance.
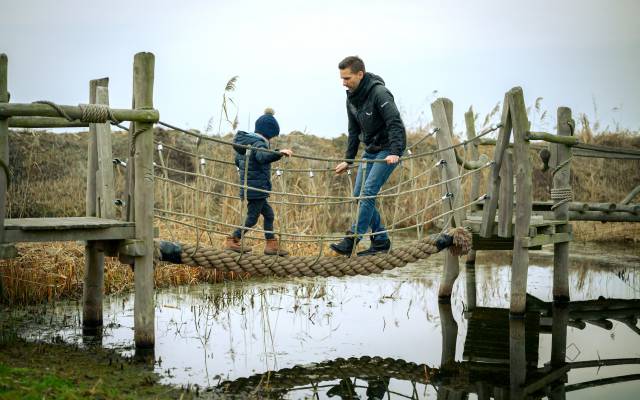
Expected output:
(259, 170)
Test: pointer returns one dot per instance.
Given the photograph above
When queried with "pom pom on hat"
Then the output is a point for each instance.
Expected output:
(267, 125)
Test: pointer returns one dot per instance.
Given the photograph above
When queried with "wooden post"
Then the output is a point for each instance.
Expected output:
(144, 310)
(560, 313)
(92, 152)
(562, 179)
(517, 356)
(524, 200)
(4, 140)
(442, 110)
(493, 186)
(470, 264)
(7, 250)
(505, 217)
(92, 291)
(105, 163)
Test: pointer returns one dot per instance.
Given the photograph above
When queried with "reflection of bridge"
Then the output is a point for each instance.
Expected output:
(500, 358)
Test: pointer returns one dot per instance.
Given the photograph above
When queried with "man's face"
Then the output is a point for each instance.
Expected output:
(350, 80)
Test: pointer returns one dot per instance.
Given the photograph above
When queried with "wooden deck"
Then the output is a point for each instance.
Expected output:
(66, 229)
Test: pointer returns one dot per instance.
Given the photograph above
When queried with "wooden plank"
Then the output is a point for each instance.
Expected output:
(472, 147)
(505, 217)
(541, 240)
(92, 153)
(557, 374)
(144, 310)
(106, 189)
(562, 179)
(31, 224)
(72, 234)
(492, 243)
(493, 185)
(524, 198)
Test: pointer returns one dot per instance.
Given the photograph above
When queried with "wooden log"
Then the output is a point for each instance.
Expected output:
(603, 216)
(493, 185)
(45, 122)
(505, 216)
(598, 151)
(602, 382)
(105, 161)
(517, 355)
(524, 199)
(449, 334)
(633, 193)
(44, 110)
(547, 137)
(470, 273)
(144, 309)
(562, 179)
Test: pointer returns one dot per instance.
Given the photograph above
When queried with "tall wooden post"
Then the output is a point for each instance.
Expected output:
(144, 310)
(470, 264)
(505, 216)
(493, 186)
(562, 179)
(6, 250)
(524, 200)
(517, 357)
(442, 110)
(559, 346)
(105, 163)
(92, 291)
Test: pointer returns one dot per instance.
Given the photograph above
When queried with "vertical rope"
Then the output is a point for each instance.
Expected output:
(396, 204)
(247, 159)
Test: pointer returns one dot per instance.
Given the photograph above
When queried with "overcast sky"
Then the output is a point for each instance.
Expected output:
(572, 53)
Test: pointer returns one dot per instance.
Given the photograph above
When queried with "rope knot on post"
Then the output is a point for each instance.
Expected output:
(97, 113)
(563, 195)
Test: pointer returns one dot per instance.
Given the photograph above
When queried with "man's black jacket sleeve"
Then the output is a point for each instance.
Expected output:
(391, 116)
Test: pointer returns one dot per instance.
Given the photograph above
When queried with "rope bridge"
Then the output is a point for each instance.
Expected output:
(220, 180)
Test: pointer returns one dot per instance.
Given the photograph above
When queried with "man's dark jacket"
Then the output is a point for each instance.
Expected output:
(259, 169)
(374, 119)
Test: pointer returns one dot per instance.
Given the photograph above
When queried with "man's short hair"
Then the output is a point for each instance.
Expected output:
(354, 63)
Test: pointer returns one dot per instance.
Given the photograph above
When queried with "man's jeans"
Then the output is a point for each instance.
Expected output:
(375, 176)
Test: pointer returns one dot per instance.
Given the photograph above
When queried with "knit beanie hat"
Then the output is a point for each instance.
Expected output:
(267, 125)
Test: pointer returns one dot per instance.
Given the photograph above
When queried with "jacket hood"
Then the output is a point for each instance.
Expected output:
(368, 82)
(247, 139)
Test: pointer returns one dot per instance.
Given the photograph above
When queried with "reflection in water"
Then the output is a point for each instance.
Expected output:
(367, 336)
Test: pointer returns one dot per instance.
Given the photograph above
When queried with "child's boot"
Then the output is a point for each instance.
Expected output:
(271, 248)
(233, 243)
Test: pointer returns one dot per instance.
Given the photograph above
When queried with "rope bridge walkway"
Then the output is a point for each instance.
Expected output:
(202, 220)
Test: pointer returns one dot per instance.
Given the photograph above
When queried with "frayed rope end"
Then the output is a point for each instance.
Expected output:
(461, 241)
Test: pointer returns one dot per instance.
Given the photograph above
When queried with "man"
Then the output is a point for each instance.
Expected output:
(375, 121)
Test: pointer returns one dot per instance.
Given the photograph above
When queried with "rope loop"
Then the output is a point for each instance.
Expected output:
(97, 113)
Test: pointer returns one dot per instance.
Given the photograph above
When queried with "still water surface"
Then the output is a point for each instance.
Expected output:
(216, 335)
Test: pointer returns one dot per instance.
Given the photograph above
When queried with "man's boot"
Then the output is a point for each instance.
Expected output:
(234, 244)
(271, 248)
(377, 246)
(345, 246)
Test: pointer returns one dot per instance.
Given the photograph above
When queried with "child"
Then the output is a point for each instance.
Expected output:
(258, 177)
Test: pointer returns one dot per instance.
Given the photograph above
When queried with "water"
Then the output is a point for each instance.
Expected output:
(218, 335)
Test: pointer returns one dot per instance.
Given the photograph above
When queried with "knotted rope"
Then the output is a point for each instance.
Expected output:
(97, 113)
(458, 240)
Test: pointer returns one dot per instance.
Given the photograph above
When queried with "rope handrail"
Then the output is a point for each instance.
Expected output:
(319, 196)
(314, 237)
(348, 160)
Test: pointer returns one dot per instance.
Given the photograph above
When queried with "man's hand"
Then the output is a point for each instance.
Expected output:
(342, 167)
(286, 152)
(391, 159)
